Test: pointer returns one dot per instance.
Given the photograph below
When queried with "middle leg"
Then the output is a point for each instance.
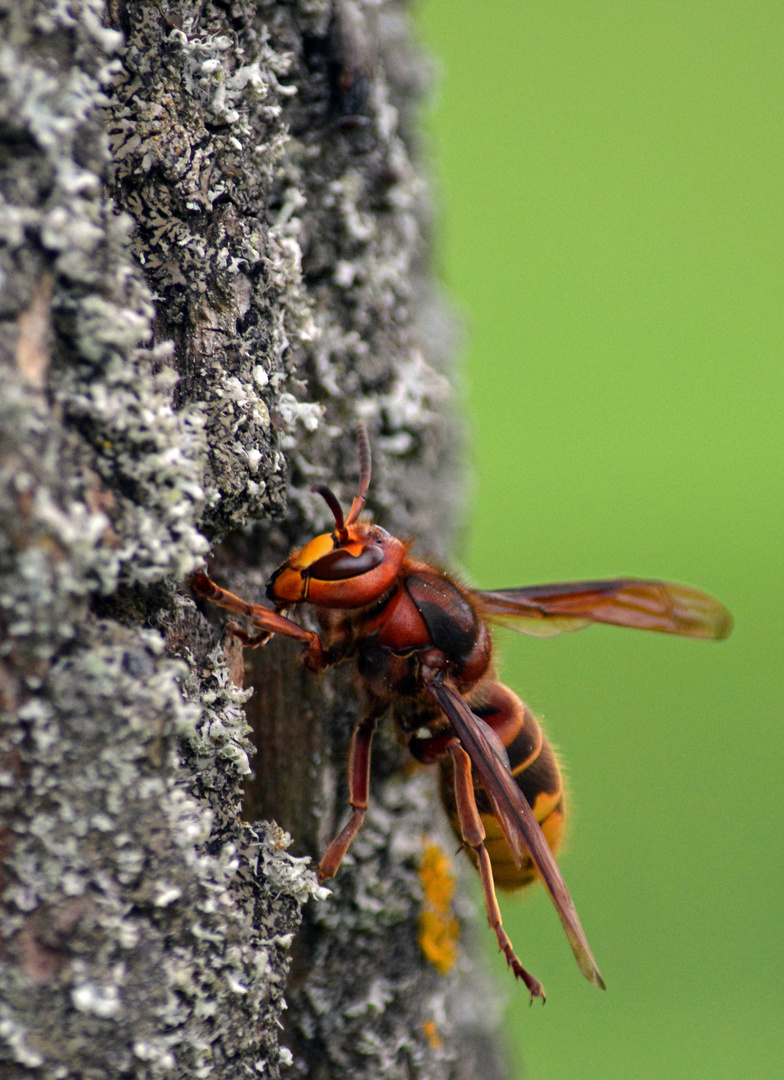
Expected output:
(359, 787)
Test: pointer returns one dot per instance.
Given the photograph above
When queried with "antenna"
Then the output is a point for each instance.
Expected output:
(364, 473)
(330, 499)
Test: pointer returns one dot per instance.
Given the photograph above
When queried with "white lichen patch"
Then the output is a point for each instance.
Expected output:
(221, 735)
(100, 1000)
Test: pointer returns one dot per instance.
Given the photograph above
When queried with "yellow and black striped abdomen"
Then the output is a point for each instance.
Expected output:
(535, 768)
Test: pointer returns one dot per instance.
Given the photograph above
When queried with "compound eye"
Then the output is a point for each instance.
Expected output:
(341, 564)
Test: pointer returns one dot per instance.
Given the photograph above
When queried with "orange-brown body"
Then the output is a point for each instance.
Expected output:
(423, 652)
(424, 610)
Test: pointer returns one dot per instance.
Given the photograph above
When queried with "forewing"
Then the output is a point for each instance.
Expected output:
(546, 610)
(521, 829)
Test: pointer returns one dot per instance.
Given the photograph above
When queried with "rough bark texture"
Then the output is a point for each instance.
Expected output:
(213, 249)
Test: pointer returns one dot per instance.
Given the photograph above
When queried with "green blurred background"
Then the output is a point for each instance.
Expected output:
(611, 228)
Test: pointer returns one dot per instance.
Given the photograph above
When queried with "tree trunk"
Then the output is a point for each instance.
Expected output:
(214, 258)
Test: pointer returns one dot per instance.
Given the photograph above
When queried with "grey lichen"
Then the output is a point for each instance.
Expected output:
(213, 258)
(144, 930)
(196, 136)
(56, 224)
(126, 895)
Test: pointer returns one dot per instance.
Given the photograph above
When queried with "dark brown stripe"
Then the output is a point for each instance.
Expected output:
(542, 775)
(527, 744)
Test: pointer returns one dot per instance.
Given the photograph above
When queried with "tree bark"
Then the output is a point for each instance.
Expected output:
(214, 239)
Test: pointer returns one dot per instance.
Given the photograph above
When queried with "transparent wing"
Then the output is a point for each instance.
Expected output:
(547, 610)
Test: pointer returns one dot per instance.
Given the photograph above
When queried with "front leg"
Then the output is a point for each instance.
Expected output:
(268, 622)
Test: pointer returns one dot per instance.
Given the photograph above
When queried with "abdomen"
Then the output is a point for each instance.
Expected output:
(535, 768)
